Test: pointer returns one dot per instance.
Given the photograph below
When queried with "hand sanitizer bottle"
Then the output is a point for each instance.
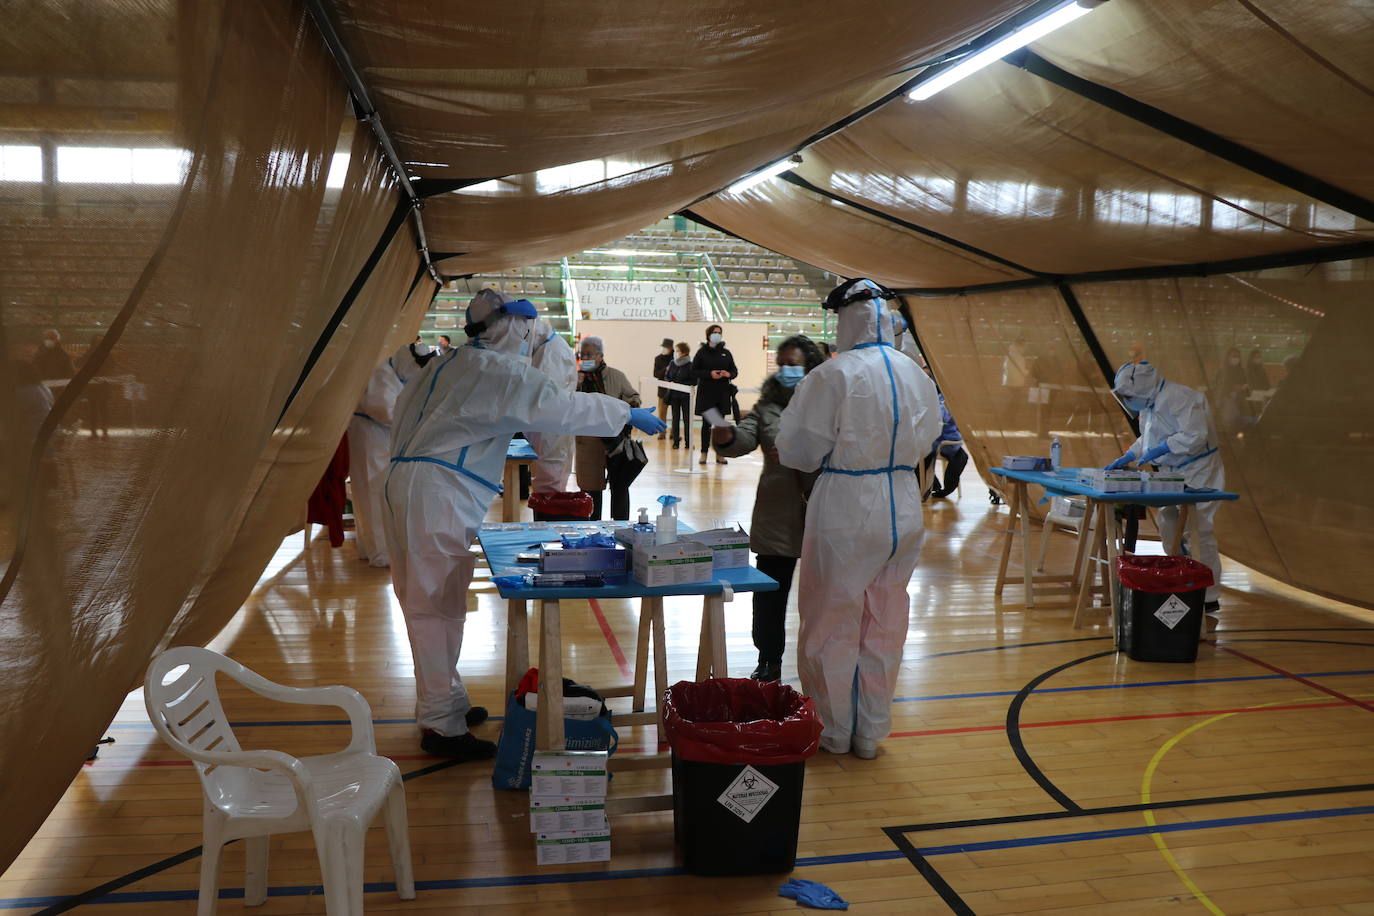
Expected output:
(1055, 451)
(666, 531)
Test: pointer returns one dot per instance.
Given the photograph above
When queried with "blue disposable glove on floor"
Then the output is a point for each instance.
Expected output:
(1159, 451)
(643, 419)
(1121, 462)
(812, 894)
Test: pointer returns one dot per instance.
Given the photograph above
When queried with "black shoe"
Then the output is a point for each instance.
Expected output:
(1211, 607)
(457, 747)
(702, 462)
(767, 671)
(475, 716)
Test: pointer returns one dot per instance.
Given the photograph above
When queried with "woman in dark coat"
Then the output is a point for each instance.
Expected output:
(714, 369)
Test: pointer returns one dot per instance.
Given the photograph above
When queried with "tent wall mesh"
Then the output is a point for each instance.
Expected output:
(209, 291)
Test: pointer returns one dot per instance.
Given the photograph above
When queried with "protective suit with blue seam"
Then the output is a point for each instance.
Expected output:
(866, 419)
(369, 457)
(1177, 433)
(454, 421)
(554, 357)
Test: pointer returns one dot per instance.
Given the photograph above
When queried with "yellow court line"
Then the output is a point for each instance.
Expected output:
(1145, 783)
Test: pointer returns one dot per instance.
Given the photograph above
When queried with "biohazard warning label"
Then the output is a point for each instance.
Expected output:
(1171, 611)
(746, 796)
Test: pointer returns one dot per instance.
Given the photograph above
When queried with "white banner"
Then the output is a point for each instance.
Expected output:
(634, 300)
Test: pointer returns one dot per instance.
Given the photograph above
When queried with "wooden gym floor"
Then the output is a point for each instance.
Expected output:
(1031, 769)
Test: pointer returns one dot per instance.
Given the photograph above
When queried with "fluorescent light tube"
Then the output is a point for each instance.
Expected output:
(998, 50)
(761, 175)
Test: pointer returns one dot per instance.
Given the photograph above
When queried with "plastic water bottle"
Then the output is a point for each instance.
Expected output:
(1055, 451)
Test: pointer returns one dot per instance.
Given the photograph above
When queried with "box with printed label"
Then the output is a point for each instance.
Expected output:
(678, 563)
(584, 559)
(1163, 481)
(1111, 481)
(632, 538)
(729, 546)
(567, 847)
(559, 774)
(550, 814)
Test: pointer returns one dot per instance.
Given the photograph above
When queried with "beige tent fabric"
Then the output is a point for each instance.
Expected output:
(846, 241)
(201, 288)
(1292, 80)
(502, 89)
(1016, 166)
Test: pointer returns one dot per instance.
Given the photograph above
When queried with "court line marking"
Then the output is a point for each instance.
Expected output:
(1299, 678)
(611, 641)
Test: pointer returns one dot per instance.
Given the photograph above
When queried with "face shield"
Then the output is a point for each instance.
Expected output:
(1136, 385)
(497, 322)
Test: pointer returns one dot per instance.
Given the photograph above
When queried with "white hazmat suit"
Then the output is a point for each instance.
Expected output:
(453, 423)
(866, 419)
(1178, 418)
(369, 456)
(553, 357)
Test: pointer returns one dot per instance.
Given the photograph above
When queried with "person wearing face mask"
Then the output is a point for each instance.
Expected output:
(680, 372)
(369, 459)
(864, 420)
(594, 376)
(51, 361)
(1176, 433)
(452, 425)
(662, 361)
(551, 355)
(713, 368)
(775, 532)
(1232, 391)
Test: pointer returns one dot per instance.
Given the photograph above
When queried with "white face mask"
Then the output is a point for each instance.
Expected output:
(665, 351)
(588, 365)
(715, 338)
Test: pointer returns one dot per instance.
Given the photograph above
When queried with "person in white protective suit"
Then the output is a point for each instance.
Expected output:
(453, 423)
(865, 419)
(554, 357)
(369, 456)
(1177, 433)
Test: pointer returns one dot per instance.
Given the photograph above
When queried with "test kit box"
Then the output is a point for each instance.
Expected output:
(555, 815)
(1162, 481)
(632, 538)
(678, 563)
(729, 546)
(566, 847)
(584, 559)
(1111, 481)
(1025, 463)
(564, 774)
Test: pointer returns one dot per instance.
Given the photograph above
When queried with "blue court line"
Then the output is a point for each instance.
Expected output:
(1210, 824)
(934, 696)
(1200, 680)
(376, 887)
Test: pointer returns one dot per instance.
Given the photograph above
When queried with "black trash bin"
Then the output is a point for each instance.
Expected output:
(739, 760)
(1161, 601)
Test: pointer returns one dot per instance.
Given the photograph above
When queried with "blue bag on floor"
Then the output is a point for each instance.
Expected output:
(515, 747)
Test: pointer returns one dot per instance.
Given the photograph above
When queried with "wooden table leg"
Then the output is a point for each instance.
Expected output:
(1007, 536)
(703, 655)
(1113, 533)
(660, 664)
(1175, 546)
(1027, 572)
(510, 493)
(549, 720)
(1081, 545)
(646, 615)
(1087, 554)
(714, 609)
(517, 644)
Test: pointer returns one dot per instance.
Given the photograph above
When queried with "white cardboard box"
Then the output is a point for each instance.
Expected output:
(678, 563)
(560, 774)
(1162, 481)
(552, 814)
(566, 847)
(1111, 481)
(729, 546)
(632, 538)
(555, 558)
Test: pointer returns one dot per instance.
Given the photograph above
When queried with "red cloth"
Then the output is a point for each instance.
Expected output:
(326, 505)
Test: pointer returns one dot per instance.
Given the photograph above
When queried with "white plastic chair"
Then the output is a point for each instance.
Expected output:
(252, 794)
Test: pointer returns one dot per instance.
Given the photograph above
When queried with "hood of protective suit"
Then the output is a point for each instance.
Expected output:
(1137, 384)
(864, 322)
(511, 334)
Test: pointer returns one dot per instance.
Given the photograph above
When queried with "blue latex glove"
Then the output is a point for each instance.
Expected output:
(1121, 462)
(809, 893)
(643, 419)
(1159, 451)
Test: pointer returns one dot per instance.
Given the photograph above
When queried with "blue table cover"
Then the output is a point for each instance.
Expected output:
(1064, 482)
(521, 448)
(500, 545)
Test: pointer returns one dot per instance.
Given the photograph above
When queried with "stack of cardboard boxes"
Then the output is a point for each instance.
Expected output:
(568, 807)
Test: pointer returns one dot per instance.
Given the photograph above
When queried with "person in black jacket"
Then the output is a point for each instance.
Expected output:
(713, 368)
(662, 361)
(680, 371)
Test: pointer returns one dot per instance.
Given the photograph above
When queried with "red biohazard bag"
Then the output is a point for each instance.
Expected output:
(737, 720)
(573, 505)
(1163, 575)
